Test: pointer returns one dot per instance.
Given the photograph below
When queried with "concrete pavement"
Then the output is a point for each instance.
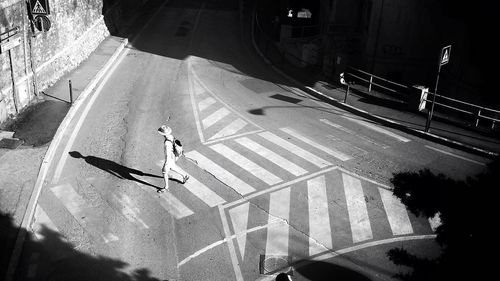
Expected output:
(38, 126)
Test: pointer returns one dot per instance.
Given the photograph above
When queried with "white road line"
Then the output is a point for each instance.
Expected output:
(230, 129)
(201, 191)
(174, 206)
(277, 234)
(220, 173)
(358, 151)
(377, 129)
(239, 219)
(232, 252)
(396, 213)
(334, 153)
(356, 207)
(279, 186)
(321, 163)
(271, 156)
(204, 104)
(41, 218)
(246, 164)
(456, 156)
(79, 208)
(215, 117)
(83, 116)
(198, 89)
(129, 210)
(319, 218)
(192, 84)
(337, 126)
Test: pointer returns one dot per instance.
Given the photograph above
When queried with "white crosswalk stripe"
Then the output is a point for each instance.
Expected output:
(174, 206)
(201, 191)
(277, 233)
(230, 129)
(319, 218)
(321, 163)
(332, 152)
(204, 104)
(396, 213)
(246, 164)
(356, 207)
(239, 219)
(223, 175)
(319, 233)
(215, 117)
(271, 156)
(129, 210)
(377, 129)
(80, 210)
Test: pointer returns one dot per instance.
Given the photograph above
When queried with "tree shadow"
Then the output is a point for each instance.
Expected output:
(438, 196)
(114, 168)
(58, 259)
(318, 270)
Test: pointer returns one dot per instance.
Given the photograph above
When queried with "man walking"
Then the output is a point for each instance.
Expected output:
(170, 157)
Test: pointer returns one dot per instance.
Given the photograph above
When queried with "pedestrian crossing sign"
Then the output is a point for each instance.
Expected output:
(39, 7)
(445, 55)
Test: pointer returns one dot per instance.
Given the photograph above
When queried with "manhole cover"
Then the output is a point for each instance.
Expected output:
(10, 143)
(275, 264)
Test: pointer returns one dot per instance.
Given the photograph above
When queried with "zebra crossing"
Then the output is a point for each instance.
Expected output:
(252, 166)
(330, 221)
(215, 119)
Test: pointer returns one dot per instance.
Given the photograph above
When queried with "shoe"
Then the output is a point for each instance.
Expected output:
(185, 179)
(161, 190)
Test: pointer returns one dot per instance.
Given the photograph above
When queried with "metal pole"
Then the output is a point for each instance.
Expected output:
(429, 115)
(70, 92)
(346, 92)
(371, 81)
(13, 82)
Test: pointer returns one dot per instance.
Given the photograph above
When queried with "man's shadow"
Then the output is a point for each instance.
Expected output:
(114, 168)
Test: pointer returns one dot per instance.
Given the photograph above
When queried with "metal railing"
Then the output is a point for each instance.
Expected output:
(373, 82)
(379, 84)
(476, 111)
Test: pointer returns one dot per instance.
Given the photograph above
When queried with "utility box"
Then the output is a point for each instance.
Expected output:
(417, 97)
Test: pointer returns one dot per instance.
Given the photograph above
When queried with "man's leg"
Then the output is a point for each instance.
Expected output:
(165, 170)
(185, 176)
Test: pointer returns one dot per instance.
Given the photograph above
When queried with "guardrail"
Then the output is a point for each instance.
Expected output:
(372, 82)
(381, 85)
(476, 111)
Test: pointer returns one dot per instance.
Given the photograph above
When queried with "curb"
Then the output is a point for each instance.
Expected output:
(376, 118)
(44, 167)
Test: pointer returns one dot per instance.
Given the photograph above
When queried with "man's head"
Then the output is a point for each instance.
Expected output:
(165, 131)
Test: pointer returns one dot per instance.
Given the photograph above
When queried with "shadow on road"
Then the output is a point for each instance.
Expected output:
(318, 270)
(114, 168)
(53, 258)
(438, 196)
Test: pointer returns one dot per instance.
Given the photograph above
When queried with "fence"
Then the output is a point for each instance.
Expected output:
(444, 105)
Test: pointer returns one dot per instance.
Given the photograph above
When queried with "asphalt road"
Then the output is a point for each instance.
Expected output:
(278, 178)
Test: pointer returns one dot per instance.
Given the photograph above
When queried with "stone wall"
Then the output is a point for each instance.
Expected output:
(77, 28)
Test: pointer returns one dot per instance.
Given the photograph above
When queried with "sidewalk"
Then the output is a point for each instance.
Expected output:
(36, 127)
(385, 111)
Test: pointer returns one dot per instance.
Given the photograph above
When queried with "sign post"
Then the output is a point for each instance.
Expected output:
(38, 11)
(444, 58)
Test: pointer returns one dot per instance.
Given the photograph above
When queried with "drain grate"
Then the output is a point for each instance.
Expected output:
(272, 264)
(9, 143)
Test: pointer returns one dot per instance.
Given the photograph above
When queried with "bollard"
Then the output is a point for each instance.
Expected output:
(346, 92)
(70, 92)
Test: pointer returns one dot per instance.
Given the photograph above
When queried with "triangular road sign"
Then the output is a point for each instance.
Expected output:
(38, 9)
(445, 55)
